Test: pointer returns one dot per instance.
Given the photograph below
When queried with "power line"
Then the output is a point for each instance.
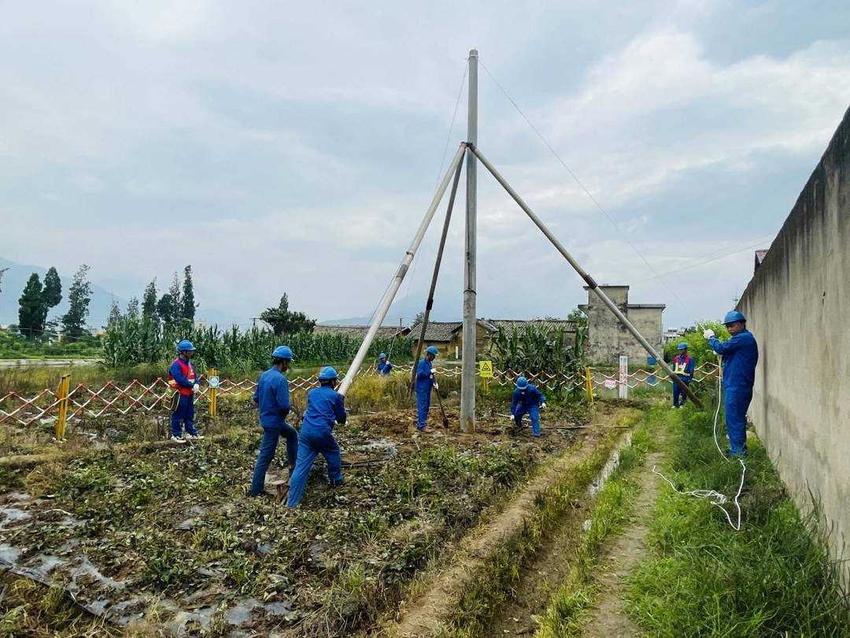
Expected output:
(575, 177)
(716, 257)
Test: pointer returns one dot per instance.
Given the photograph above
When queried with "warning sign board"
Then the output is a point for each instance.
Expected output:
(485, 369)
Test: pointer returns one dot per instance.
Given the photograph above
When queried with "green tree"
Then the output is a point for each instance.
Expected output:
(31, 313)
(114, 314)
(133, 308)
(2, 272)
(79, 297)
(52, 292)
(176, 299)
(578, 317)
(188, 310)
(166, 309)
(149, 301)
(283, 321)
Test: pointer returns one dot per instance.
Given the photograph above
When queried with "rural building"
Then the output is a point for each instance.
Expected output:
(360, 331)
(607, 338)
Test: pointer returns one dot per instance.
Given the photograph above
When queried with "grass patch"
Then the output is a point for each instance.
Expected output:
(613, 507)
(703, 578)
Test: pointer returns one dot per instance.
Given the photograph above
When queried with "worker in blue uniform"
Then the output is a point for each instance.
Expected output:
(181, 377)
(384, 367)
(740, 355)
(683, 367)
(325, 406)
(271, 398)
(424, 384)
(527, 399)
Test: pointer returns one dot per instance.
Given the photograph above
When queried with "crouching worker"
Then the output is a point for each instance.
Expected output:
(683, 367)
(272, 399)
(384, 367)
(527, 399)
(325, 406)
(181, 377)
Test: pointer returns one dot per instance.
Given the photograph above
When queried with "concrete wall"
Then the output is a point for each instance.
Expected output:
(798, 307)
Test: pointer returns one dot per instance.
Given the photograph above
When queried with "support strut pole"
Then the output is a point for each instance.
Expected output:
(467, 378)
(389, 295)
(591, 284)
(430, 303)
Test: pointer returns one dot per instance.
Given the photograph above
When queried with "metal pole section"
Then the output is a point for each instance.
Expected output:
(430, 303)
(591, 284)
(467, 383)
(389, 295)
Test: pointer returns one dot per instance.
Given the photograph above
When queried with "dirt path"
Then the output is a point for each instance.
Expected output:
(424, 614)
(608, 616)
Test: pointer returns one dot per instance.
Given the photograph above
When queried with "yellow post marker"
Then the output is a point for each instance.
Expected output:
(62, 396)
(588, 384)
(485, 371)
(213, 382)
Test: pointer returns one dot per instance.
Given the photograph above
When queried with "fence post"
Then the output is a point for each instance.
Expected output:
(62, 395)
(623, 385)
(588, 384)
(213, 378)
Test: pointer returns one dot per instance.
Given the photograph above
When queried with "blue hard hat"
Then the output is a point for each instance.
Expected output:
(383, 355)
(327, 373)
(432, 350)
(732, 316)
(521, 383)
(682, 346)
(185, 346)
(283, 352)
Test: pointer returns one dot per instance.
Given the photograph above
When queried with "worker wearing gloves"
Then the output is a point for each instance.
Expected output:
(325, 406)
(683, 367)
(424, 382)
(272, 399)
(527, 399)
(384, 367)
(181, 377)
(740, 356)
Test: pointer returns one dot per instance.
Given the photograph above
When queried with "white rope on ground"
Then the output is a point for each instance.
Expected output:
(713, 496)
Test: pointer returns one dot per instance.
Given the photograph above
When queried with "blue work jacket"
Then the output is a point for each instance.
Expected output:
(325, 406)
(740, 356)
(272, 397)
(423, 376)
(527, 398)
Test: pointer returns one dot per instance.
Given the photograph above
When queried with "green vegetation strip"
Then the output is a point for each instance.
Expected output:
(611, 511)
(492, 587)
(704, 579)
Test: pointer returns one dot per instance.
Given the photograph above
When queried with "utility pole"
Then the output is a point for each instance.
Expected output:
(467, 386)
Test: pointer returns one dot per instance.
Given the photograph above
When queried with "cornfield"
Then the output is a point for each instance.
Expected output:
(134, 341)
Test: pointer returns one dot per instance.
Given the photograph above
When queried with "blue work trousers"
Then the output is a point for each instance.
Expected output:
(268, 446)
(735, 404)
(533, 414)
(184, 413)
(679, 396)
(423, 404)
(310, 445)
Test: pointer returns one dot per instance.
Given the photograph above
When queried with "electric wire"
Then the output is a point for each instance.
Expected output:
(576, 178)
(714, 257)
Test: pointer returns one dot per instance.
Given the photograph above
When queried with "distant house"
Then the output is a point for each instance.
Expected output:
(360, 331)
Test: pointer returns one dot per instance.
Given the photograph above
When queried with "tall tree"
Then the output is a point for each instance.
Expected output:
(114, 314)
(2, 272)
(283, 321)
(133, 308)
(165, 309)
(188, 309)
(52, 288)
(149, 301)
(176, 298)
(31, 312)
(79, 297)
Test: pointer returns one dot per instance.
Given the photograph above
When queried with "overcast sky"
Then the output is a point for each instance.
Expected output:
(294, 147)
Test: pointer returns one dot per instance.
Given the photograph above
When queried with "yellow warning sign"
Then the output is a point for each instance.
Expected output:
(485, 369)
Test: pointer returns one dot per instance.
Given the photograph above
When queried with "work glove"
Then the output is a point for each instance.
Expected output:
(196, 388)
(708, 334)
(543, 405)
(435, 384)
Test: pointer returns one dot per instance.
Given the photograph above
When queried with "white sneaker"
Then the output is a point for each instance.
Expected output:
(193, 437)
(177, 439)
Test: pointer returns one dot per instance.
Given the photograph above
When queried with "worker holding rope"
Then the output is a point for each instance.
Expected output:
(683, 367)
(527, 399)
(271, 398)
(384, 367)
(740, 356)
(181, 377)
(325, 406)
(424, 383)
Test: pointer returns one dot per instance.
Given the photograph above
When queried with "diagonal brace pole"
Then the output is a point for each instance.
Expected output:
(389, 295)
(591, 283)
(430, 303)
